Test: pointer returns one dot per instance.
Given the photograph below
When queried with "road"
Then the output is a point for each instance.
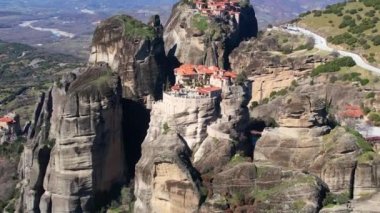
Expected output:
(321, 43)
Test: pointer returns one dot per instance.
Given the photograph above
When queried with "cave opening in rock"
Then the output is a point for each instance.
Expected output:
(136, 118)
(255, 129)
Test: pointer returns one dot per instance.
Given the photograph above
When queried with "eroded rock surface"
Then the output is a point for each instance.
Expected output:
(165, 179)
(186, 43)
(133, 50)
(75, 152)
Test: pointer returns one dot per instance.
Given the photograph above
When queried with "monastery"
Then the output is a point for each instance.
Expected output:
(8, 128)
(196, 81)
(218, 7)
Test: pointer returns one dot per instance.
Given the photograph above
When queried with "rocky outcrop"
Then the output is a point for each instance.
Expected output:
(274, 62)
(186, 42)
(35, 157)
(183, 132)
(75, 151)
(165, 179)
(332, 157)
(275, 51)
(367, 176)
(133, 50)
(189, 117)
(226, 135)
(248, 187)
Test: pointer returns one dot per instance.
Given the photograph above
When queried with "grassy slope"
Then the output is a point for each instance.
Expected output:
(328, 25)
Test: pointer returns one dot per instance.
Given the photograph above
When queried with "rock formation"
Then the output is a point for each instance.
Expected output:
(187, 42)
(133, 50)
(75, 151)
(179, 128)
(165, 179)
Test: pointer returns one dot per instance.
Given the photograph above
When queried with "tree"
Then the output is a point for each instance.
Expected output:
(241, 78)
(244, 3)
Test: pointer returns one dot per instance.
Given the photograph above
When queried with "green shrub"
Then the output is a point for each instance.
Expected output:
(333, 79)
(165, 128)
(334, 66)
(236, 159)
(200, 22)
(135, 28)
(360, 140)
(364, 81)
(12, 150)
(366, 110)
(334, 9)
(282, 92)
(376, 40)
(345, 38)
(336, 199)
(241, 78)
(244, 3)
(366, 157)
(374, 117)
(294, 83)
(298, 205)
(254, 104)
(370, 95)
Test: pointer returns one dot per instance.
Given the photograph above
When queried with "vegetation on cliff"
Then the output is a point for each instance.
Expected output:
(95, 79)
(122, 26)
(134, 28)
(333, 66)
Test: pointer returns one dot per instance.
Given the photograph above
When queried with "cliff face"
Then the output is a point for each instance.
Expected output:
(195, 39)
(75, 152)
(185, 136)
(133, 50)
(165, 179)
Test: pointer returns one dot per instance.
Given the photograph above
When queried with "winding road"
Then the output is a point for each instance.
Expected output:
(321, 43)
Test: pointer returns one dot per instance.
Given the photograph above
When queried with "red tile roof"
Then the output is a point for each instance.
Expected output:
(206, 90)
(205, 70)
(176, 87)
(351, 111)
(7, 120)
(230, 74)
(186, 70)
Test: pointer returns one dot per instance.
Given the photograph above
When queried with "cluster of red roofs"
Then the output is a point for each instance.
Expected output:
(351, 111)
(7, 120)
(216, 7)
(194, 70)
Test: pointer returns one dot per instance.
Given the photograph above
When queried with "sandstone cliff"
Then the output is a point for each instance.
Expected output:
(133, 50)
(305, 138)
(165, 179)
(195, 39)
(184, 132)
(75, 151)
